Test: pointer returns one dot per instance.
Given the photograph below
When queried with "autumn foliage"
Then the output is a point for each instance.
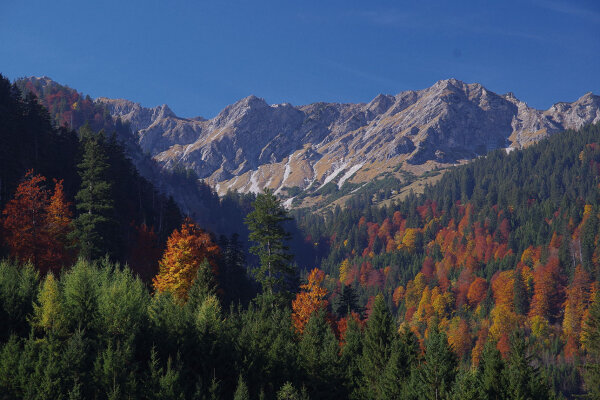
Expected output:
(311, 299)
(36, 224)
(187, 248)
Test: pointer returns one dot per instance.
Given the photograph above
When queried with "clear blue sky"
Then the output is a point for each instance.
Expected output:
(198, 56)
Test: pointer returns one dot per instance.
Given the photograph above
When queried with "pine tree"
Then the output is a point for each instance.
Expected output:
(351, 357)
(491, 372)
(520, 294)
(267, 232)
(591, 339)
(47, 312)
(94, 199)
(318, 353)
(523, 380)
(439, 368)
(377, 346)
(466, 387)
(404, 354)
(241, 392)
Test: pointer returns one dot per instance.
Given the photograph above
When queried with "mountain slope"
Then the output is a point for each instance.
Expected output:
(250, 144)
(316, 154)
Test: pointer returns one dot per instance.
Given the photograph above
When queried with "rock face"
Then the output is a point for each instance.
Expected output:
(251, 144)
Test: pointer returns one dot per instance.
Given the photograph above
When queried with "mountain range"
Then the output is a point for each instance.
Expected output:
(299, 150)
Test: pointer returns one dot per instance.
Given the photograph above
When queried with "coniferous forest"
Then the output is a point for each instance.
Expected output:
(484, 287)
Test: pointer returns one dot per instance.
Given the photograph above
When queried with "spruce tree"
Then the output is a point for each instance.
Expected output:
(377, 344)
(351, 355)
(523, 380)
(94, 201)
(592, 344)
(241, 392)
(439, 369)
(267, 232)
(404, 353)
(490, 372)
(318, 357)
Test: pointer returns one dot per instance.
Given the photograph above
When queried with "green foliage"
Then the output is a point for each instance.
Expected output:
(241, 391)
(288, 392)
(438, 370)
(18, 289)
(95, 221)
(267, 232)
(404, 355)
(523, 379)
(592, 343)
(318, 357)
(491, 373)
(377, 347)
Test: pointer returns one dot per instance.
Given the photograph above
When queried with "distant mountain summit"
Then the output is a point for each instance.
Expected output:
(251, 144)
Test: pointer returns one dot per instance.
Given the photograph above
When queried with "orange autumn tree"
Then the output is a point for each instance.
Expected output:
(309, 300)
(187, 248)
(59, 225)
(25, 221)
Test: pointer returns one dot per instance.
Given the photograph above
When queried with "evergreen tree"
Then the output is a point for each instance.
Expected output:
(491, 372)
(318, 353)
(267, 232)
(520, 294)
(523, 380)
(346, 302)
(241, 392)
(466, 387)
(350, 358)
(404, 353)
(94, 201)
(438, 371)
(592, 345)
(377, 346)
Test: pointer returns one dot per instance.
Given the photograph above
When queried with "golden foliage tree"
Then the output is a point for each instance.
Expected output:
(187, 248)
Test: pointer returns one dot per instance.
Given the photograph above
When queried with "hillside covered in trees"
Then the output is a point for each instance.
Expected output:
(484, 287)
(509, 241)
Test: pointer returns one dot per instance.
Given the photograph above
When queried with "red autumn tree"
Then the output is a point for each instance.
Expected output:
(477, 291)
(25, 222)
(187, 248)
(547, 290)
(309, 300)
(342, 326)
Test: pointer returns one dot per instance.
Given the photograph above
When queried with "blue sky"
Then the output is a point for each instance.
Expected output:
(198, 56)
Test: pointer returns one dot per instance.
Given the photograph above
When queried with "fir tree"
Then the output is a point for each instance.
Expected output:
(523, 380)
(439, 368)
(267, 232)
(377, 343)
(241, 392)
(318, 353)
(94, 199)
(592, 344)
(490, 372)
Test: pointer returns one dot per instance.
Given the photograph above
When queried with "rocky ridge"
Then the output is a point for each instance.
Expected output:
(251, 144)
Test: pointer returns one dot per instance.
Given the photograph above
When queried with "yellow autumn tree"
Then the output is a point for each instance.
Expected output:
(187, 248)
(344, 270)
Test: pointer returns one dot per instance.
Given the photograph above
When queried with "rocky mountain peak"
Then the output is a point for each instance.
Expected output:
(251, 144)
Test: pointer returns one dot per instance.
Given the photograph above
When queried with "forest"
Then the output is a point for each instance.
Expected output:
(486, 286)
